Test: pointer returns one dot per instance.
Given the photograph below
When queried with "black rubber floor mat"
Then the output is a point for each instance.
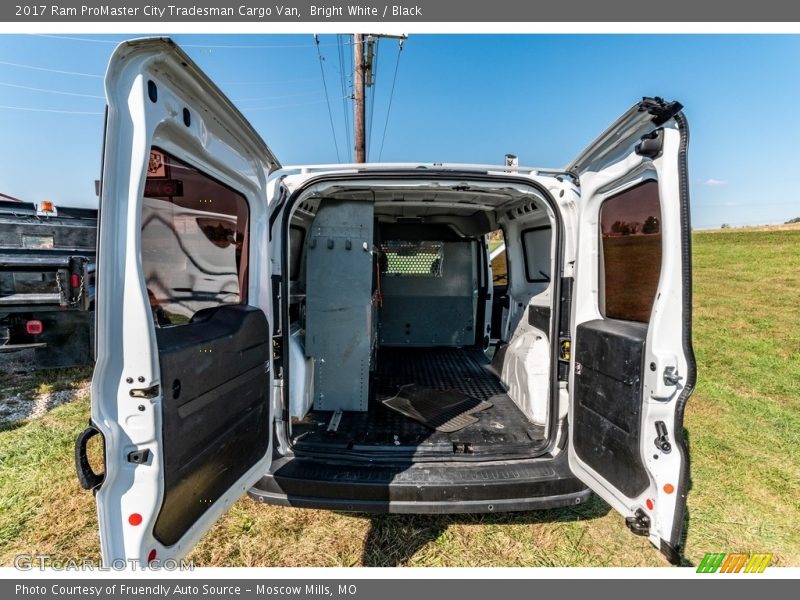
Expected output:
(443, 410)
(385, 430)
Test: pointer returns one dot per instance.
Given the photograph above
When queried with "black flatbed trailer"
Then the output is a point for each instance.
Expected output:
(47, 282)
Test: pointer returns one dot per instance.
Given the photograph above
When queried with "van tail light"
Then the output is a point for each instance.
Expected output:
(34, 327)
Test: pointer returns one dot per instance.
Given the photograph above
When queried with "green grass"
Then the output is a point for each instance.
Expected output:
(743, 423)
(42, 508)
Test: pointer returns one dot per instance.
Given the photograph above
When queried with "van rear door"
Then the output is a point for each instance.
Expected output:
(182, 385)
(633, 368)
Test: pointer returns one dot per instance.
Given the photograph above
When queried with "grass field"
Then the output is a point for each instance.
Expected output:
(743, 423)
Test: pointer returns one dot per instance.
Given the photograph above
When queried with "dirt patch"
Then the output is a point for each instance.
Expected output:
(21, 407)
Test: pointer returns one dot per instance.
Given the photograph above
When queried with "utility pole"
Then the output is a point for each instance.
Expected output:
(359, 93)
(363, 77)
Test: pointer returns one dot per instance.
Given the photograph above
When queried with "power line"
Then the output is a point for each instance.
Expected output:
(391, 97)
(327, 99)
(46, 91)
(350, 82)
(297, 95)
(35, 68)
(216, 46)
(75, 39)
(345, 108)
(285, 105)
(273, 82)
(374, 77)
(50, 110)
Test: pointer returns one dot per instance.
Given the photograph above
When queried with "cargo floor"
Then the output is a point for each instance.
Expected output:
(502, 429)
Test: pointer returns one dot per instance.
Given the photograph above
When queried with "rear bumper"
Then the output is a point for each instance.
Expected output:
(18, 347)
(421, 488)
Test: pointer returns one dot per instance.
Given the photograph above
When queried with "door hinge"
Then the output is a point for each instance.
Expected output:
(639, 523)
(651, 145)
(565, 349)
(661, 110)
(662, 438)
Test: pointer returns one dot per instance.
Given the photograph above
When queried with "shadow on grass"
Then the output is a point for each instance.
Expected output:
(392, 540)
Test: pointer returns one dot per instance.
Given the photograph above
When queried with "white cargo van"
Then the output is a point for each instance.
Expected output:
(332, 336)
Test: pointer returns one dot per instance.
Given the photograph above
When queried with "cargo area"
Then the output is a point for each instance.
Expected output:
(390, 342)
(384, 430)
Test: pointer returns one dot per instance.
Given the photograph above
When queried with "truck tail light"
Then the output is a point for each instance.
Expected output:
(34, 327)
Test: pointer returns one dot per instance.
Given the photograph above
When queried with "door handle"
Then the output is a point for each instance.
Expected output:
(88, 479)
(662, 438)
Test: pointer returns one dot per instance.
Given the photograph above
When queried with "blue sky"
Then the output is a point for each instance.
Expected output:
(458, 98)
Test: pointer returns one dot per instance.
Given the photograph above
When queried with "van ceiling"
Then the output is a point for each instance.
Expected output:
(480, 199)
(471, 210)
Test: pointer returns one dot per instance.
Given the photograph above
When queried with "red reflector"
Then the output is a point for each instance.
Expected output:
(152, 556)
(135, 519)
(75, 281)
(34, 327)
(649, 504)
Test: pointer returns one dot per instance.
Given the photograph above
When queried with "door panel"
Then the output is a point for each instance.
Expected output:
(632, 368)
(608, 401)
(182, 383)
(215, 410)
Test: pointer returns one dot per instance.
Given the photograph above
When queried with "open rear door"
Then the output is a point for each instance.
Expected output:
(182, 385)
(633, 367)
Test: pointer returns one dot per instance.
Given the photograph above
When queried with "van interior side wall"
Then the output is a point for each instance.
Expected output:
(523, 356)
(427, 292)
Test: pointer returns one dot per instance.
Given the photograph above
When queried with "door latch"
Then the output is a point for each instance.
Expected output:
(148, 393)
(671, 376)
(662, 439)
(139, 457)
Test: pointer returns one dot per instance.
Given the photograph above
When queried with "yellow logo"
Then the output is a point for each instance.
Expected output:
(719, 562)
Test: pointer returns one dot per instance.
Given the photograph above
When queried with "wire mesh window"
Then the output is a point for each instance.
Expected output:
(412, 258)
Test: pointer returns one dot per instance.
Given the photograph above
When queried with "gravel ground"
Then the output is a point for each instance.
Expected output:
(28, 394)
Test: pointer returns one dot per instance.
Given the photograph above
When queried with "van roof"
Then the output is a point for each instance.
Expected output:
(422, 167)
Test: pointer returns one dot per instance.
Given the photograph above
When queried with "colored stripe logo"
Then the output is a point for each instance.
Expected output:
(720, 562)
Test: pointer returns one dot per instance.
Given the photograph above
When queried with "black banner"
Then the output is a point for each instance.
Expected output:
(399, 11)
(386, 589)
